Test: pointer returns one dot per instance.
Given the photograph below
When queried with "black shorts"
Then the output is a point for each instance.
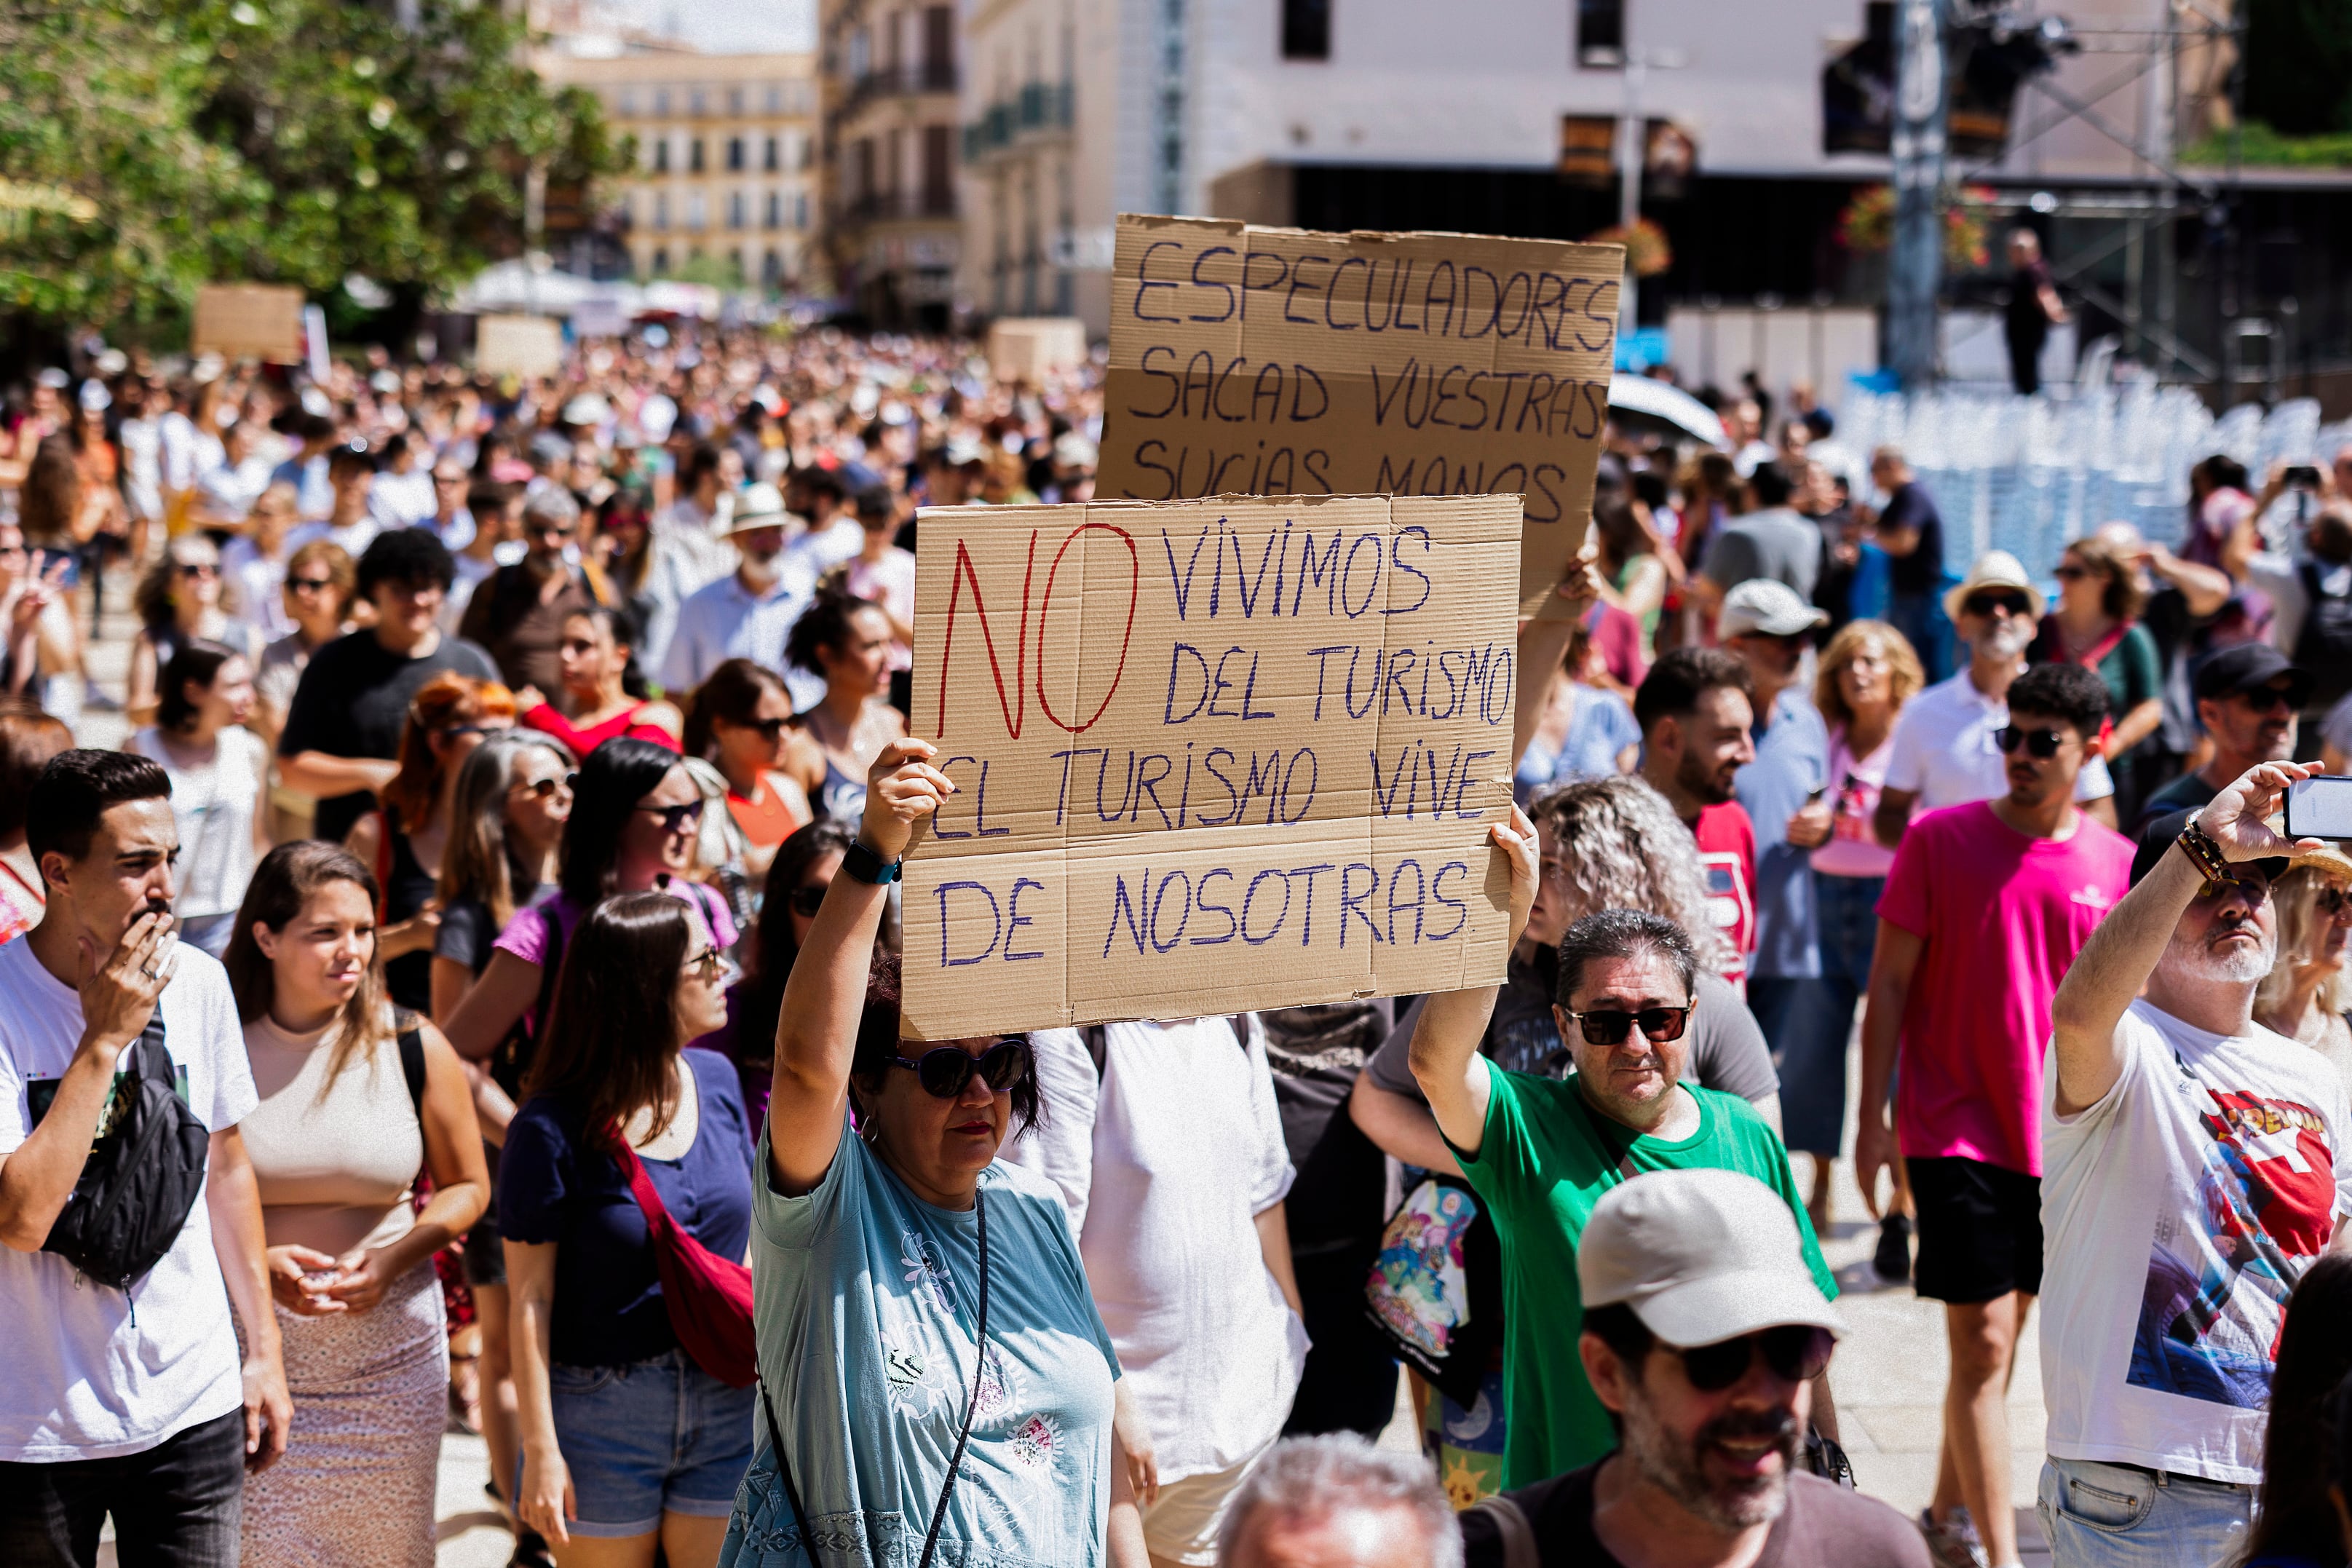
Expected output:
(1980, 1230)
(486, 1255)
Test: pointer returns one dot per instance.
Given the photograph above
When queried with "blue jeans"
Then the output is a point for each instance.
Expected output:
(1810, 1041)
(1920, 618)
(2099, 1515)
(657, 1437)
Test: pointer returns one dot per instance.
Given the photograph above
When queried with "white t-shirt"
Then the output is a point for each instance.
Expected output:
(212, 805)
(1943, 749)
(1164, 1166)
(2178, 1213)
(81, 1380)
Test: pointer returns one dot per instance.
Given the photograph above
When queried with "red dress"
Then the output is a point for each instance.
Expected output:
(545, 718)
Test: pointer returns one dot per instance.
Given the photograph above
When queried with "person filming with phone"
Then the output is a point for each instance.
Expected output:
(128, 1203)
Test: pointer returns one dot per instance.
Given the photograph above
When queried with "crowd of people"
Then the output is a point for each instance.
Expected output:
(471, 995)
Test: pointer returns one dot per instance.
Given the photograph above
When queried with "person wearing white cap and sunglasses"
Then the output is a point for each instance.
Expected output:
(1942, 751)
(749, 612)
(1703, 1334)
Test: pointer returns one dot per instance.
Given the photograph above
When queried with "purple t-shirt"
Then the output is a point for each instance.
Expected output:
(526, 935)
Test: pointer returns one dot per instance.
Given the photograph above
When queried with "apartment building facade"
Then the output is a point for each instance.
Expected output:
(888, 156)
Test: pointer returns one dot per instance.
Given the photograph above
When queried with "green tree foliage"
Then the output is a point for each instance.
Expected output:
(2298, 65)
(148, 145)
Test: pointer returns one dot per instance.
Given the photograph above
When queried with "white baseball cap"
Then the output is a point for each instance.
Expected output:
(1769, 605)
(1701, 1256)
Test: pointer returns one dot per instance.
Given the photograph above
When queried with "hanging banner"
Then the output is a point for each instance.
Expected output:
(1281, 362)
(1210, 756)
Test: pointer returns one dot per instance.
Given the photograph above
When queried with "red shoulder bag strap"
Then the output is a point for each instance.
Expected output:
(708, 1297)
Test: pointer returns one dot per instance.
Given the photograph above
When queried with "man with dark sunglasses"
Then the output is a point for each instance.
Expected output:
(2197, 1168)
(2247, 700)
(1985, 908)
(1541, 1152)
(1704, 1334)
(1943, 748)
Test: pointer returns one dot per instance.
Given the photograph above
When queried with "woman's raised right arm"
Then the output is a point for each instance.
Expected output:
(507, 987)
(816, 1028)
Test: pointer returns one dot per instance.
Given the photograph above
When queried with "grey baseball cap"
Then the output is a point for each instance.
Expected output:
(1701, 1256)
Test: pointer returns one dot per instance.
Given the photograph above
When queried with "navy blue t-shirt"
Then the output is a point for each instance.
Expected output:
(608, 1299)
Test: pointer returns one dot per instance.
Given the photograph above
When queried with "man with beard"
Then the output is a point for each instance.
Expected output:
(1695, 708)
(2197, 1166)
(749, 612)
(1985, 908)
(1943, 752)
(2247, 700)
(1540, 1153)
(1704, 1336)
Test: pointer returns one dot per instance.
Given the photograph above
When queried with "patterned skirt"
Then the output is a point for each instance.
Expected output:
(355, 1488)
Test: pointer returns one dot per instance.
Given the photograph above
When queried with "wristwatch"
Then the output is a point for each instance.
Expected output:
(868, 866)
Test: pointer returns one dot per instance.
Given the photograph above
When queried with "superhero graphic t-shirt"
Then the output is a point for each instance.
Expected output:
(2179, 1212)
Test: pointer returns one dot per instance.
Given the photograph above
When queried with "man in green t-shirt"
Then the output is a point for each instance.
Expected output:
(1541, 1152)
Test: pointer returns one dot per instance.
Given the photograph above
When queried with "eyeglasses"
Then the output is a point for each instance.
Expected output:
(771, 730)
(309, 585)
(1985, 605)
(808, 898)
(944, 1071)
(2332, 901)
(542, 789)
(2043, 743)
(708, 965)
(453, 480)
(2266, 700)
(1797, 1353)
(459, 732)
(552, 530)
(677, 818)
(2068, 572)
(1610, 1026)
(2249, 882)
(194, 569)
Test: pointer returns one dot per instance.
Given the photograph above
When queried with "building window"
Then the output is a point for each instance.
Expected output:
(800, 210)
(661, 153)
(624, 102)
(734, 100)
(734, 154)
(736, 216)
(939, 170)
(661, 100)
(697, 101)
(772, 269)
(697, 214)
(767, 161)
(776, 98)
(661, 261)
(775, 209)
(1306, 29)
(939, 49)
(1601, 33)
(661, 209)
(694, 156)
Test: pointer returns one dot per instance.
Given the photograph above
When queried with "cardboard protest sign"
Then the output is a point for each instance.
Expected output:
(1025, 348)
(517, 345)
(1281, 362)
(1210, 756)
(248, 320)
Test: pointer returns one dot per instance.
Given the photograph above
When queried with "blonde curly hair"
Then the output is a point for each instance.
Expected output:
(1625, 849)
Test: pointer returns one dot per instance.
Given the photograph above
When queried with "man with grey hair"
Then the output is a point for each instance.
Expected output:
(1539, 1154)
(2194, 1165)
(1336, 1501)
(518, 612)
(1704, 1336)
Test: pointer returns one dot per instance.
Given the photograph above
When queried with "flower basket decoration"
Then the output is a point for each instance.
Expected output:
(1647, 254)
(1867, 225)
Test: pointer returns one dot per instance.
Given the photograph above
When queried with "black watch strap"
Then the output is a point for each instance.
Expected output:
(868, 866)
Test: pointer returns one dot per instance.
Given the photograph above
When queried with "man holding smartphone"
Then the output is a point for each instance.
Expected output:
(2197, 1166)
(133, 1403)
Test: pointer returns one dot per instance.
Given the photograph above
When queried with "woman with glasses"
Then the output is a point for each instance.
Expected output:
(937, 1385)
(178, 602)
(252, 562)
(2308, 991)
(630, 1448)
(601, 686)
(448, 717)
(2097, 624)
(740, 722)
(218, 771)
(357, 1100)
(321, 581)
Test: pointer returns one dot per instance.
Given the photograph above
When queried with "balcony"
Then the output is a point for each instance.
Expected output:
(887, 206)
(898, 81)
(1039, 109)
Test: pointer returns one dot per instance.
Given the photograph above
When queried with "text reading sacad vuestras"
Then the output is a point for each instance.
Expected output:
(1281, 362)
(1211, 755)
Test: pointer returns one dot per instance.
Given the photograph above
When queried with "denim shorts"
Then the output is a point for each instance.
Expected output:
(2100, 1515)
(652, 1437)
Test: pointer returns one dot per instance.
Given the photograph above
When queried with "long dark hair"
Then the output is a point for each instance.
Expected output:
(616, 775)
(2293, 1516)
(281, 885)
(773, 950)
(732, 692)
(198, 663)
(613, 1028)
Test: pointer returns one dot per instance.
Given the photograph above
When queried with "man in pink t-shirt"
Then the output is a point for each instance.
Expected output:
(1985, 908)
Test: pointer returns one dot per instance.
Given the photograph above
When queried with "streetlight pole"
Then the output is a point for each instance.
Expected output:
(1916, 265)
(1633, 149)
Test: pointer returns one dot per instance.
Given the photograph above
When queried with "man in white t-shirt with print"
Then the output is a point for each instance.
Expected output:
(130, 1404)
(2194, 1164)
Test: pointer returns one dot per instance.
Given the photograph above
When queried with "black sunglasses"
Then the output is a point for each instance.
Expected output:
(676, 818)
(309, 585)
(1610, 1026)
(2043, 743)
(769, 729)
(1985, 604)
(807, 901)
(2330, 901)
(543, 789)
(2266, 699)
(943, 1071)
(1796, 1351)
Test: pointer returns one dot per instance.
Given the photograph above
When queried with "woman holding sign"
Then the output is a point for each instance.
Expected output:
(926, 1340)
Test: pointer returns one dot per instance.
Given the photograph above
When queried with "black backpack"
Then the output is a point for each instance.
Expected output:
(143, 1174)
(2324, 646)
